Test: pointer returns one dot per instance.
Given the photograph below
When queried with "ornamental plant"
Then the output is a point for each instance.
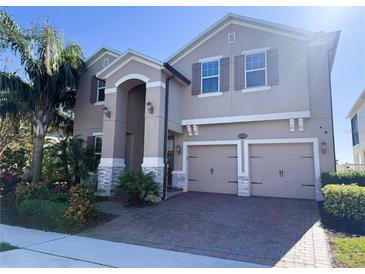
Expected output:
(82, 210)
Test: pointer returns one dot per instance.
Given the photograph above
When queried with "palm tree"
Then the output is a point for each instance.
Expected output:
(51, 71)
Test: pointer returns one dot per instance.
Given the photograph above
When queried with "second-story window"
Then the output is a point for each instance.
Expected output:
(255, 69)
(210, 76)
(101, 91)
(355, 131)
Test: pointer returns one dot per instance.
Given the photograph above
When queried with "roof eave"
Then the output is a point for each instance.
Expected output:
(356, 105)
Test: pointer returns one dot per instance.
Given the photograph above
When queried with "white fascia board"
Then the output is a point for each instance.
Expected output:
(242, 21)
(356, 105)
(247, 118)
(109, 51)
(145, 59)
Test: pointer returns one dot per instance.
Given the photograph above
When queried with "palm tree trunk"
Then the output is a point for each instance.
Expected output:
(38, 144)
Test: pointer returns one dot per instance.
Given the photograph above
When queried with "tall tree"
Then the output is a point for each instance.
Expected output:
(51, 69)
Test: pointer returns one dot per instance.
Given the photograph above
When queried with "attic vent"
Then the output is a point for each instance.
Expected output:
(231, 37)
(105, 62)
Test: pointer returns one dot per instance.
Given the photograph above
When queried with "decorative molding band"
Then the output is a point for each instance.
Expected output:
(255, 50)
(112, 162)
(247, 118)
(110, 90)
(156, 84)
(213, 58)
(153, 162)
(132, 76)
(98, 134)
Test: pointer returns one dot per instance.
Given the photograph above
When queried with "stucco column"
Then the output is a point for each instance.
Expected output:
(154, 132)
(112, 162)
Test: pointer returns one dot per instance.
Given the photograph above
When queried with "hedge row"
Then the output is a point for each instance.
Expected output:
(346, 178)
(345, 201)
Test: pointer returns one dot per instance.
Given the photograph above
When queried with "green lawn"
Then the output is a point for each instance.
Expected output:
(6, 247)
(349, 251)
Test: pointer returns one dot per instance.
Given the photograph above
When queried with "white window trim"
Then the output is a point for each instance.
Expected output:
(97, 92)
(100, 103)
(210, 94)
(97, 134)
(250, 52)
(233, 34)
(208, 77)
(256, 89)
(95, 138)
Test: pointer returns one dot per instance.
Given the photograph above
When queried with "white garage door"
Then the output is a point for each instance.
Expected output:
(213, 169)
(282, 170)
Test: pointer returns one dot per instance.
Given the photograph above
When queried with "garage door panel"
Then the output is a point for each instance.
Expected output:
(213, 169)
(285, 170)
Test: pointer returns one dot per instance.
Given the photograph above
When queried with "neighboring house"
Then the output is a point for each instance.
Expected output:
(249, 111)
(357, 116)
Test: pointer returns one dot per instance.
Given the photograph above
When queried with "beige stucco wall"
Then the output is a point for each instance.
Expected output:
(290, 95)
(88, 117)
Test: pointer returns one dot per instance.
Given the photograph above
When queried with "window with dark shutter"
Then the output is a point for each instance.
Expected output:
(355, 131)
(224, 74)
(196, 80)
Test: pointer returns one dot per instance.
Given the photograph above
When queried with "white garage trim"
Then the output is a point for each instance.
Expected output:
(314, 141)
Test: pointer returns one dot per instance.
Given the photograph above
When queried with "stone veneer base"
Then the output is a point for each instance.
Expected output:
(179, 181)
(108, 179)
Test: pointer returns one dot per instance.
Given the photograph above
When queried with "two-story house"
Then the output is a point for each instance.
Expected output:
(357, 116)
(248, 111)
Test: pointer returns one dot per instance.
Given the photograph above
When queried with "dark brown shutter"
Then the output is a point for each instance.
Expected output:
(196, 79)
(93, 89)
(224, 74)
(239, 72)
(90, 142)
(272, 67)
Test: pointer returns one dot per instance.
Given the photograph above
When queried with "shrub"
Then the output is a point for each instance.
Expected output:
(32, 191)
(346, 178)
(82, 210)
(14, 159)
(48, 211)
(8, 182)
(345, 201)
(140, 187)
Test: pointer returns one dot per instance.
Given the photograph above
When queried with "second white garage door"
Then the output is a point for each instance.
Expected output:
(282, 170)
(213, 169)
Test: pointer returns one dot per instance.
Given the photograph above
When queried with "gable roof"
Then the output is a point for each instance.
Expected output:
(99, 54)
(124, 58)
(357, 105)
(232, 18)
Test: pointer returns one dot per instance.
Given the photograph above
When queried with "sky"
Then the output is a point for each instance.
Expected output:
(160, 31)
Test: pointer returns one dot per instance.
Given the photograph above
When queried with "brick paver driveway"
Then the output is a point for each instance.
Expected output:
(270, 231)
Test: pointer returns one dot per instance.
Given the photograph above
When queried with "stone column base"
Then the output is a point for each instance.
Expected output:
(158, 173)
(109, 171)
(244, 186)
(179, 180)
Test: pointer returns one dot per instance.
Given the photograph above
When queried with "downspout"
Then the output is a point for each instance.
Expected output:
(165, 169)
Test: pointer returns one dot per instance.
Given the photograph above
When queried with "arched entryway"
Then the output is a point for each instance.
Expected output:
(134, 103)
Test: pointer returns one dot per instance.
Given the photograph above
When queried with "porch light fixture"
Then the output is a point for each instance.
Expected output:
(107, 112)
(149, 107)
(178, 149)
(323, 144)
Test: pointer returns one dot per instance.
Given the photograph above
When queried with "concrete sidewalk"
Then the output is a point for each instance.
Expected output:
(48, 249)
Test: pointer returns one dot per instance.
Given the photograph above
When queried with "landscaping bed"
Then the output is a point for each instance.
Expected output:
(343, 216)
(11, 215)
